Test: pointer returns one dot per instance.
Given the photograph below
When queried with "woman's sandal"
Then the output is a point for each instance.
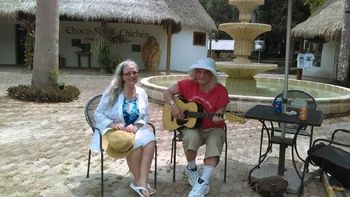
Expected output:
(151, 190)
(139, 190)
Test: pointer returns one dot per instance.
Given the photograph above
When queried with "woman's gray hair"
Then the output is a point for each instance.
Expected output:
(117, 84)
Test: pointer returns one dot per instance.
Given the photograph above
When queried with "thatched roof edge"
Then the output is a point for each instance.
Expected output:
(177, 12)
(326, 23)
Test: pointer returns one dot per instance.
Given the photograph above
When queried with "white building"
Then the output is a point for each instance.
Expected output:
(184, 22)
(321, 36)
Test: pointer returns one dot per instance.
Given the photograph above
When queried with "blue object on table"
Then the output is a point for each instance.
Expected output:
(277, 105)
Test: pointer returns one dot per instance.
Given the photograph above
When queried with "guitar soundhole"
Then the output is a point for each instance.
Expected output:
(183, 121)
(185, 114)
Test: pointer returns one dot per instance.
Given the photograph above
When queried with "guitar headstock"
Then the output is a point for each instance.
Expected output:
(230, 116)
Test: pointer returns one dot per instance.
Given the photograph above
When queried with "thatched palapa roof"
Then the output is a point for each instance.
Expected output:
(10, 8)
(177, 12)
(325, 24)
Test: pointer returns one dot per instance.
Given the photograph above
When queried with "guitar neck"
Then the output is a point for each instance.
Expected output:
(190, 114)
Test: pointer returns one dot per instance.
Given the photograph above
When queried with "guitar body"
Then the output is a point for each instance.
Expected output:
(193, 115)
(171, 123)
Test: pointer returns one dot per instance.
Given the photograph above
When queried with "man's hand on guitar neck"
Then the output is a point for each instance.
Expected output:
(218, 119)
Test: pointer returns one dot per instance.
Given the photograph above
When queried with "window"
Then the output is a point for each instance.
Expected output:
(199, 38)
(136, 48)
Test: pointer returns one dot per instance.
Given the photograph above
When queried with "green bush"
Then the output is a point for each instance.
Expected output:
(65, 93)
(106, 59)
(29, 51)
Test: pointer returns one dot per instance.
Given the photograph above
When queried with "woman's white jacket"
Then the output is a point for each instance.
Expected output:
(106, 114)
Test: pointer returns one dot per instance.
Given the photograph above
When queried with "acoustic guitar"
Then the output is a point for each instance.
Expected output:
(193, 115)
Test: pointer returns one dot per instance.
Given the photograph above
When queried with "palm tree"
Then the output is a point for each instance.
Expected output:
(45, 62)
(344, 53)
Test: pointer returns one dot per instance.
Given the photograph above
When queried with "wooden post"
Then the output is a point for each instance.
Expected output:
(168, 49)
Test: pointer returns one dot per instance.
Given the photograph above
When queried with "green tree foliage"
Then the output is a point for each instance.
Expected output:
(274, 12)
(221, 12)
(29, 51)
(314, 4)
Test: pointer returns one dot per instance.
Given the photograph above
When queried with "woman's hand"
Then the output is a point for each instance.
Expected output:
(131, 128)
(118, 126)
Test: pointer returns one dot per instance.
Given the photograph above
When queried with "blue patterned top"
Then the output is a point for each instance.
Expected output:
(130, 110)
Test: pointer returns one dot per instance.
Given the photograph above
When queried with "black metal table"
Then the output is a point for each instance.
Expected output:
(265, 113)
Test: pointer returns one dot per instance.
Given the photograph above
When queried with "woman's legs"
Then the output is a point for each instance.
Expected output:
(139, 162)
(146, 161)
(134, 163)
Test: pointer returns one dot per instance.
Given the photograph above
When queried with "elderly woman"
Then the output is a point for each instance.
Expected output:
(204, 89)
(124, 106)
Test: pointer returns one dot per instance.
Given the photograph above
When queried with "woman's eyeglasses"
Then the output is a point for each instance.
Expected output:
(130, 73)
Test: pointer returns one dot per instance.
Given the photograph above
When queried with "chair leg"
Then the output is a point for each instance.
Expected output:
(311, 136)
(174, 156)
(172, 147)
(155, 166)
(306, 166)
(155, 156)
(88, 167)
(225, 167)
(101, 173)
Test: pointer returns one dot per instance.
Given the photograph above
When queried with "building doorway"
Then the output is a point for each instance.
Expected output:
(20, 44)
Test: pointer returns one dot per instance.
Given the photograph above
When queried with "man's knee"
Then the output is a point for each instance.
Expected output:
(191, 140)
(214, 147)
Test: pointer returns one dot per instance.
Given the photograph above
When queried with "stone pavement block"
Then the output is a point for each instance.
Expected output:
(44, 149)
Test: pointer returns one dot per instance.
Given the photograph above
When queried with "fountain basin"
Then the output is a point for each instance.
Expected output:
(244, 34)
(245, 8)
(331, 99)
(244, 31)
(237, 69)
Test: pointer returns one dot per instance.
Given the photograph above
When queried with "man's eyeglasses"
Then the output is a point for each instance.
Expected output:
(130, 73)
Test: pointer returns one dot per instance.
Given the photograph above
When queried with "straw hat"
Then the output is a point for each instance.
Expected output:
(117, 143)
(207, 64)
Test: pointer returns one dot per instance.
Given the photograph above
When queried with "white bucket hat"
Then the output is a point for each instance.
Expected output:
(207, 64)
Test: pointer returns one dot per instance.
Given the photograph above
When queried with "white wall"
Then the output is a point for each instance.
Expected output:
(327, 68)
(88, 31)
(184, 53)
(7, 43)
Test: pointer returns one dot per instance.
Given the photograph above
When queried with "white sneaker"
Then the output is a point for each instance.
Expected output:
(199, 190)
(193, 176)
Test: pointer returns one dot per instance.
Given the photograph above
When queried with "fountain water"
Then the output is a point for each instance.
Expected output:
(247, 90)
(241, 70)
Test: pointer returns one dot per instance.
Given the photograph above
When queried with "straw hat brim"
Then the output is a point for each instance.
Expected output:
(111, 152)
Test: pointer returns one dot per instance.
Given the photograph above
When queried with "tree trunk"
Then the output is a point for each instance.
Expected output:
(46, 44)
(344, 53)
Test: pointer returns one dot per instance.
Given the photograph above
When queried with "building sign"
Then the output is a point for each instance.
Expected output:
(97, 31)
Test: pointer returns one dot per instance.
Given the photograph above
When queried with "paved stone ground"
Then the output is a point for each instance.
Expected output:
(43, 148)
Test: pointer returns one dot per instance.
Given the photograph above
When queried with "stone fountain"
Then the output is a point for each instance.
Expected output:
(241, 82)
(241, 70)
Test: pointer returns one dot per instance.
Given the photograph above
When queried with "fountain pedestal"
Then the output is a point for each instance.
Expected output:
(241, 70)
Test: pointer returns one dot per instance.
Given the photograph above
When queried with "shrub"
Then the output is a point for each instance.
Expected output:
(65, 93)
